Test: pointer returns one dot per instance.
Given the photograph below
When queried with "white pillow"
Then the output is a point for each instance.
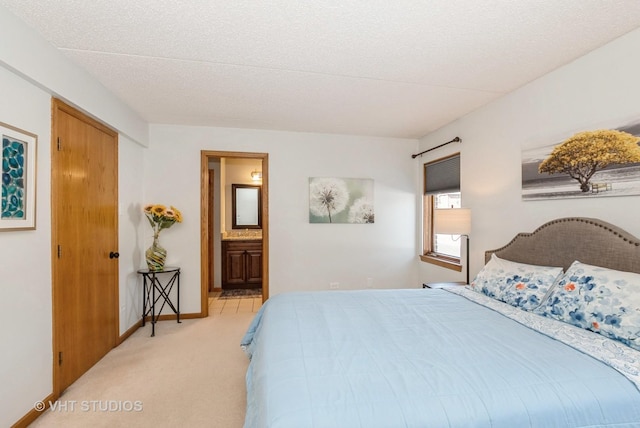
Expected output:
(602, 300)
(518, 284)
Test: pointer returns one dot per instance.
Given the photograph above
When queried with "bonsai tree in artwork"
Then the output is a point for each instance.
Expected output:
(585, 153)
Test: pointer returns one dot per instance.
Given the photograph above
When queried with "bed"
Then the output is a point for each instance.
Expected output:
(546, 335)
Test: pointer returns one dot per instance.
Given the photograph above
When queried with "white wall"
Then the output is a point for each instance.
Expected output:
(303, 256)
(130, 225)
(601, 89)
(25, 271)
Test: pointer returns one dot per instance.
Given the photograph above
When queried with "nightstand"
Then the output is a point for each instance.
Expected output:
(443, 284)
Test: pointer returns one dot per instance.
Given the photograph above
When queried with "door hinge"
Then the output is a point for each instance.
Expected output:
(60, 358)
(59, 251)
(59, 144)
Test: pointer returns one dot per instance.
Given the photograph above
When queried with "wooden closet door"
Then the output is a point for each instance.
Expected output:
(85, 242)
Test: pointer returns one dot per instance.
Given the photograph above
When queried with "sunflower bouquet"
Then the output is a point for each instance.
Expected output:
(160, 217)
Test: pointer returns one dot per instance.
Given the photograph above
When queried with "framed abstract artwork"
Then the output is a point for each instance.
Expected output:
(18, 211)
(341, 200)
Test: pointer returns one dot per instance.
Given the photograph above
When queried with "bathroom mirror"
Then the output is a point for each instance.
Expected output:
(246, 206)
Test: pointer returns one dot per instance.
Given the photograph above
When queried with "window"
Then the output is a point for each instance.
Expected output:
(448, 245)
(441, 190)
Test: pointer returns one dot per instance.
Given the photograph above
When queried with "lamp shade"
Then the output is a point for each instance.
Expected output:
(452, 221)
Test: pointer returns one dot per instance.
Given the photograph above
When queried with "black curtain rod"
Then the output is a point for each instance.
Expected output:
(455, 140)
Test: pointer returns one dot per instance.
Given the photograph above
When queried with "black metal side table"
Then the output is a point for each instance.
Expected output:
(153, 289)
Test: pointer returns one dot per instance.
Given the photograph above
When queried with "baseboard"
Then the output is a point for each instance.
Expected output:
(191, 316)
(165, 317)
(33, 413)
(129, 332)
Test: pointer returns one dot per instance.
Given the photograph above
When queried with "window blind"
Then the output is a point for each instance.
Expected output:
(442, 176)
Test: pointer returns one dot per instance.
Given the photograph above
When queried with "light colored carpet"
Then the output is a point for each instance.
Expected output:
(190, 375)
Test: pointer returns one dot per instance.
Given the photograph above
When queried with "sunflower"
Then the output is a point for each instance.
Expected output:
(160, 217)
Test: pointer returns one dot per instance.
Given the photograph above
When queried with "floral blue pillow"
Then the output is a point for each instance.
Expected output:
(517, 284)
(602, 300)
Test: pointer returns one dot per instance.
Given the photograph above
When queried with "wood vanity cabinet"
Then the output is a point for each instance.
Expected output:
(241, 264)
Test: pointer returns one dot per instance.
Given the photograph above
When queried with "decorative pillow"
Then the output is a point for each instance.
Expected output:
(518, 284)
(602, 300)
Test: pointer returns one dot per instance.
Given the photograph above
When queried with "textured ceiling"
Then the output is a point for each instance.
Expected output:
(398, 68)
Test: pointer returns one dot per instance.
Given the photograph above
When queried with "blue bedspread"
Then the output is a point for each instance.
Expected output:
(419, 358)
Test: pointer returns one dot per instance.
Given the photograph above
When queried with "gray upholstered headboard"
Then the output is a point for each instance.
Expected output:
(560, 242)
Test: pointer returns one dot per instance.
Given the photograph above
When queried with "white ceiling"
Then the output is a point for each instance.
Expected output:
(394, 68)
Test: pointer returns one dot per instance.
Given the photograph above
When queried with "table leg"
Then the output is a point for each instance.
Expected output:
(144, 298)
(178, 299)
(153, 305)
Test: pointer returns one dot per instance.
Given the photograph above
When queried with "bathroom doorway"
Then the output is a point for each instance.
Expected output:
(219, 171)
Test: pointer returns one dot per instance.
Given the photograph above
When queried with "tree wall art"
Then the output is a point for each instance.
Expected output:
(341, 200)
(593, 163)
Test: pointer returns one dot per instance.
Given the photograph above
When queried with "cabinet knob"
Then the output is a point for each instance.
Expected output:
(114, 255)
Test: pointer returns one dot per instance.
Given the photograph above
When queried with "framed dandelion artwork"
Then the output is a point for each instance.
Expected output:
(18, 210)
(341, 200)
